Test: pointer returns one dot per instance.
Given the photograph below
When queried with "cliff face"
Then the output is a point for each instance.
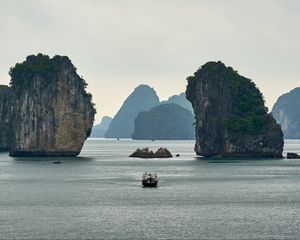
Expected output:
(286, 113)
(165, 122)
(52, 113)
(5, 116)
(141, 99)
(231, 119)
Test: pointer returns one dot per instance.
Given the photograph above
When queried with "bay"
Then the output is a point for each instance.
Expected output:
(98, 195)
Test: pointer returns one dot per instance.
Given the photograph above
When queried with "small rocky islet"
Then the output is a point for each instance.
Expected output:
(146, 153)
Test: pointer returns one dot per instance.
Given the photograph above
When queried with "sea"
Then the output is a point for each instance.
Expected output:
(99, 195)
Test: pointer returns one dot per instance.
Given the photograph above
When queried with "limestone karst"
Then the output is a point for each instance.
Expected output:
(231, 118)
(52, 112)
(286, 113)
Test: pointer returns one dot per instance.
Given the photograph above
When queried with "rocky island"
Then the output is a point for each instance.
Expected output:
(146, 153)
(5, 118)
(286, 112)
(99, 130)
(231, 118)
(52, 113)
(143, 98)
(165, 122)
(181, 100)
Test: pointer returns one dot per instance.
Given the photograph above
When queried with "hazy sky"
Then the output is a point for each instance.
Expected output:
(119, 44)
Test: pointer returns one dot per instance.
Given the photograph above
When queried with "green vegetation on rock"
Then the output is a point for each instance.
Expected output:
(22, 74)
(248, 111)
(52, 113)
(42, 69)
(231, 117)
(249, 114)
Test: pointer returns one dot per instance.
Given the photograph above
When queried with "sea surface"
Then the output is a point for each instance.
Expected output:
(98, 195)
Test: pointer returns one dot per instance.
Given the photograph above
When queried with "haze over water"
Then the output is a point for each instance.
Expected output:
(99, 195)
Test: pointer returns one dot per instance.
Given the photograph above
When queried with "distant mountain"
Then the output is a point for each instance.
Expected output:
(165, 122)
(143, 98)
(5, 117)
(180, 100)
(287, 114)
(100, 129)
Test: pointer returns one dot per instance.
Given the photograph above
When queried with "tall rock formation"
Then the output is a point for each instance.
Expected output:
(100, 129)
(231, 119)
(180, 100)
(141, 99)
(5, 118)
(52, 112)
(165, 122)
(286, 112)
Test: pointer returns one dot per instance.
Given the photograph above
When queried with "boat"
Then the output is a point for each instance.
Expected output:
(57, 162)
(149, 180)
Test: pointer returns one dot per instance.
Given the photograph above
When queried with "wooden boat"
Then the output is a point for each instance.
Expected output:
(149, 180)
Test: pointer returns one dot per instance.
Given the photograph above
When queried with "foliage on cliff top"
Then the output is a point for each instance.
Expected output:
(22, 74)
(42, 66)
(248, 112)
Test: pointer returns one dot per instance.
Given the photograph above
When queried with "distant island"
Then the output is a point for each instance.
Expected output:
(180, 100)
(99, 130)
(231, 118)
(165, 122)
(143, 98)
(5, 118)
(52, 114)
(286, 112)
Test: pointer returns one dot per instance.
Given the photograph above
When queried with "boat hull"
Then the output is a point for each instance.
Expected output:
(149, 184)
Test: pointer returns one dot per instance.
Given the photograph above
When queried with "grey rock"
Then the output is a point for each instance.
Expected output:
(143, 98)
(231, 119)
(287, 114)
(52, 113)
(5, 118)
(146, 153)
(100, 129)
(293, 155)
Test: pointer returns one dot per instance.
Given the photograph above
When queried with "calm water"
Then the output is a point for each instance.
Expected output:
(99, 195)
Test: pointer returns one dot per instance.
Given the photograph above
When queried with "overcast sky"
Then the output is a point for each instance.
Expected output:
(119, 44)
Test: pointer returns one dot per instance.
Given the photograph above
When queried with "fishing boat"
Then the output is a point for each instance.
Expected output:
(149, 180)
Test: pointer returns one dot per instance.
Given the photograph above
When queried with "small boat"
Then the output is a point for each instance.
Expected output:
(149, 180)
(56, 162)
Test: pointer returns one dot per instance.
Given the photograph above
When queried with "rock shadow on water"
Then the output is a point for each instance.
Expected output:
(53, 159)
(234, 159)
